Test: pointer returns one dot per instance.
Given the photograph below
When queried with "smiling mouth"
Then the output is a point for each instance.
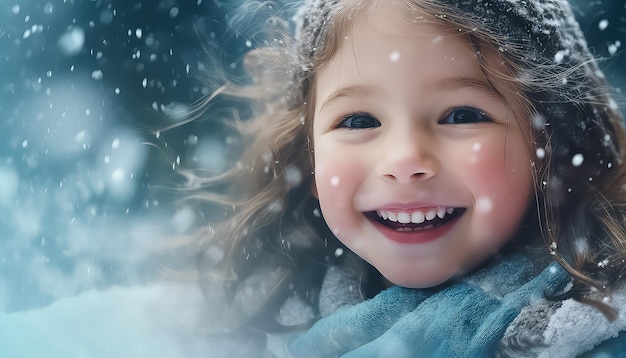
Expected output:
(414, 221)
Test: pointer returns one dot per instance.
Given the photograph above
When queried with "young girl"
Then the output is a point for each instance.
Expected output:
(423, 178)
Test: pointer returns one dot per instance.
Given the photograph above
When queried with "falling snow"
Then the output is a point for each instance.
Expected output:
(577, 160)
(72, 41)
(484, 205)
(97, 75)
(541, 153)
(603, 24)
(560, 55)
(94, 96)
(603, 263)
(83, 175)
(293, 176)
(553, 247)
(614, 47)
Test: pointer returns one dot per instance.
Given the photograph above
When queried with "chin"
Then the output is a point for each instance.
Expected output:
(417, 282)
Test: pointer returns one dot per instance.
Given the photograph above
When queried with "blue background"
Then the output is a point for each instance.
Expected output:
(88, 175)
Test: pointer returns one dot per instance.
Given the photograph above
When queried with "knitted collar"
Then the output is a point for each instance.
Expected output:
(542, 329)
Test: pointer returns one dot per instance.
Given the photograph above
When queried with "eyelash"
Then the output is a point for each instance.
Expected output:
(483, 117)
(352, 116)
(478, 116)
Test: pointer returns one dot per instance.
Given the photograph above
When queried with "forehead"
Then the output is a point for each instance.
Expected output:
(403, 19)
(383, 47)
(351, 32)
(413, 31)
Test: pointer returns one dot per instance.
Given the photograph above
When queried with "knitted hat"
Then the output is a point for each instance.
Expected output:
(543, 35)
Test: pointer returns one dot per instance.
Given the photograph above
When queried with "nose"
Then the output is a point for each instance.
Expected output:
(409, 157)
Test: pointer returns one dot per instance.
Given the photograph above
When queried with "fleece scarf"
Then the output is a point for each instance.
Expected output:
(494, 311)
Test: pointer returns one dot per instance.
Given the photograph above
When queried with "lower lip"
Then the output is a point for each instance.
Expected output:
(419, 237)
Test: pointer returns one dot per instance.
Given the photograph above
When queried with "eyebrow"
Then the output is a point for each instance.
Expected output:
(448, 84)
(351, 91)
(454, 83)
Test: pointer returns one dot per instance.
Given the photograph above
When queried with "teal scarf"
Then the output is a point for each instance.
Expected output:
(466, 319)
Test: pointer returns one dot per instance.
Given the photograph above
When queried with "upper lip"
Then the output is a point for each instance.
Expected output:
(412, 206)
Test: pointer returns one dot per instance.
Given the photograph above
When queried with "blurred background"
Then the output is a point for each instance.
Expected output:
(88, 92)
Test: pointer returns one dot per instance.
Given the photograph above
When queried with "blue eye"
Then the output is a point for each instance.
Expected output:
(358, 121)
(464, 115)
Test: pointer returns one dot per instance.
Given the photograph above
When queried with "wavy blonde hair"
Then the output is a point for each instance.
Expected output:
(269, 240)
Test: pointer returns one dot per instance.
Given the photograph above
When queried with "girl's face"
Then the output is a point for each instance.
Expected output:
(420, 168)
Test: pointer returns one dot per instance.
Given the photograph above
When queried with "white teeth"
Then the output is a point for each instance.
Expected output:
(404, 218)
(417, 217)
(441, 212)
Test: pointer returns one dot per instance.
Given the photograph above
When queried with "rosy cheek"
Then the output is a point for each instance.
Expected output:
(497, 179)
(483, 167)
(328, 179)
